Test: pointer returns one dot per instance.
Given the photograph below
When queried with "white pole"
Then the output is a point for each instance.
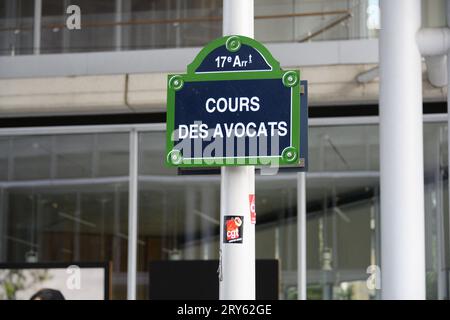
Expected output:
(132, 216)
(238, 17)
(401, 152)
(37, 26)
(301, 236)
(237, 259)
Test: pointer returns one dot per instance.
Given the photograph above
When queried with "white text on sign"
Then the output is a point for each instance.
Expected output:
(223, 61)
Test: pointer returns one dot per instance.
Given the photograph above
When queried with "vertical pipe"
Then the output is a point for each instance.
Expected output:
(189, 218)
(95, 156)
(301, 236)
(334, 228)
(178, 25)
(77, 228)
(132, 216)
(39, 224)
(53, 158)
(373, 238)
(37, 26)
(276, 242)
(401, 152)
(448, 100)
(362, 30)
(289, 227)
(11, 160)
(377, 235)
(447, 5)
(126, 31)
(102, 202)
(3, 224)
(237, 259)
(32, 225)
(154, 15)
(208, 208)
(440, 232)
(118, 27)
(65, 30)
(117, 241)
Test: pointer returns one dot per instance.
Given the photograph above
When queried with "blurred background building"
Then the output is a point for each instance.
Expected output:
(70, 99)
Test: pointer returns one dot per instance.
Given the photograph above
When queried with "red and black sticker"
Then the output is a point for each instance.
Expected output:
(251, 198)
(233, 229)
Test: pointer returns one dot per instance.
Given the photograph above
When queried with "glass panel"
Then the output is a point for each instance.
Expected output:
(312, 20)
(350, 148)
(16, 32)
(342, 206)
(64, 198)
(436, 210)
(179, 216)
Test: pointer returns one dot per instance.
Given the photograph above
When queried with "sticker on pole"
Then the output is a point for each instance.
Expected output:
(234, 228)
(251, 198)
(234, 106)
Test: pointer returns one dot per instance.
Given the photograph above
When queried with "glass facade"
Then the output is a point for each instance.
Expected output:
(108, 25)
(64, 197)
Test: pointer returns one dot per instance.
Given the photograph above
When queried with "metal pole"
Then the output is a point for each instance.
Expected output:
(37, 26)
(77, 228)
(190, 223)
(117, 241)
(237, 279)
(118, 27)
(207, 208)
(377, 235)
(401, 152)
(439, 211)
(301, 236)
(132, 216)
(448, 93)
(65, 31)
(448, 97)
(2, 224)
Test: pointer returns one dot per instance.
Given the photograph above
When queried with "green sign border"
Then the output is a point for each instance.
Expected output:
(290, 78)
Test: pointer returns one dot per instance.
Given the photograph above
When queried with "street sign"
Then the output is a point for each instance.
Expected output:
(235, 106)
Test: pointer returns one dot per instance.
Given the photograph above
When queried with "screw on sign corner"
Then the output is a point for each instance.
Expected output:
(176, 83)
(290, 79)
(175, 157)
(233, 44)
(289, 154)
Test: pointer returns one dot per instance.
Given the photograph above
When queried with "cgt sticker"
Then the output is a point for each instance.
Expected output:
(234, 229)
